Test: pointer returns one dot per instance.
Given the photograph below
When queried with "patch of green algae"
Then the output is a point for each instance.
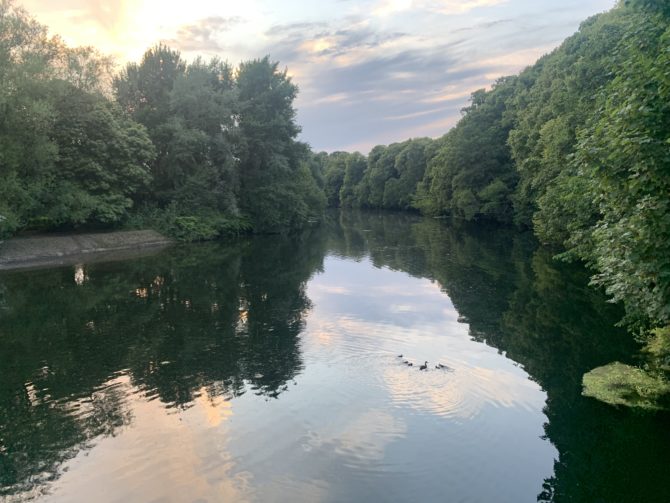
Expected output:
(621, 384)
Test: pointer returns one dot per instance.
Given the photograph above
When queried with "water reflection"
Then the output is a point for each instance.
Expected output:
(217, 320)
(539, 313)
(266, 369)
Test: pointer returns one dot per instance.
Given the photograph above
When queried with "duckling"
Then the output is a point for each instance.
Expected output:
(424, 366)
(409, 364)
(442, 367)
(399, 356)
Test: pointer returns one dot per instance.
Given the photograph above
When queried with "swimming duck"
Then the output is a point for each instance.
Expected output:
(424, 366)
(399, 356)
(442, 367)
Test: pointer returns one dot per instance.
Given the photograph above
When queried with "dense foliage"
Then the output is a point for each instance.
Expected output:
(386, 179)
(471, 174)
(227, 159)
(197, 149)
(68, 155)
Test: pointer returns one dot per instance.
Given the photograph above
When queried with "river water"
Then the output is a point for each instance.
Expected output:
(268, 369)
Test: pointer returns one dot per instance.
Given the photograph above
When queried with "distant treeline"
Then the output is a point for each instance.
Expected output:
(196, 149)
(576, 147)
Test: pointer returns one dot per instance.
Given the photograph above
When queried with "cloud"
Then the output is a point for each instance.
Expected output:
(446, 7)
(389, 7)
(457, 6)
(303, 42)
(363, 82)
(204, 34)
(283, 29)
(106, 13)
(381, 97)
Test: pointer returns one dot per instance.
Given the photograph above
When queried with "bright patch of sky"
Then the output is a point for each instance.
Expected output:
(370, 72)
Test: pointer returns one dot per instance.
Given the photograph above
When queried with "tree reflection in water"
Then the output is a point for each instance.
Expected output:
(225, 319)
(542, 314)
(220, 317)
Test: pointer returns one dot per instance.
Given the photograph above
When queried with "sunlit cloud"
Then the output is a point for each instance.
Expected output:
(332, 98)
(452, 93)
(413, 114)
(204, 34)
(388, 7)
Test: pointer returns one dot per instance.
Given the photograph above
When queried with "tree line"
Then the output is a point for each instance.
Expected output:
(576, 147)
(196, 149)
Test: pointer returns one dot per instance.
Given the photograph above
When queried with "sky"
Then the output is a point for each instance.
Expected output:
(369, 71)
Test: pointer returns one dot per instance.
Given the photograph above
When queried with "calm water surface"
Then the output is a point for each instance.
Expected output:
(267, 370)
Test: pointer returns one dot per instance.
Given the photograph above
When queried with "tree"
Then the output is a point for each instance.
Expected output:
(103, 160)
(553, 101)
(143, 90)
(354, 170)
(68, 155)
(625, 156)
(472, 175)
(270, 158)
(334, 173)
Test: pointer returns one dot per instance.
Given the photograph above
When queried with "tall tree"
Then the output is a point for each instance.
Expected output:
(271, 160)
(144, 91)
(354, 171)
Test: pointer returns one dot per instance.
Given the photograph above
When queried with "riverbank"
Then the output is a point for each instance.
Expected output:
(51, 250)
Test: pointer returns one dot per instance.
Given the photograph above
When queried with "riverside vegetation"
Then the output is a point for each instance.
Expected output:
(576, 147)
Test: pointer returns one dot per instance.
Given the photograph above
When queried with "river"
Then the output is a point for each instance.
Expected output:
(268, 369)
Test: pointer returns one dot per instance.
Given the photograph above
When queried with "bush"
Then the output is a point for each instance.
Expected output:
(174, 222)
(8, 225)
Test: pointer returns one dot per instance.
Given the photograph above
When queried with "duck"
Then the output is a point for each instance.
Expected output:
(399, 356)
(424, 366)
(409, 364)
(442, 367)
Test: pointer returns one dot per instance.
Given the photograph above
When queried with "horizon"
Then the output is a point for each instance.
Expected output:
(369, 73)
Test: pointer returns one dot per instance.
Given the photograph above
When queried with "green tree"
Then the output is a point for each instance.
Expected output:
(103, 160)
(354, 171)
(68, 156)
(144, 91)
(625, 155)
(334, 173)
(271, 160)
(472, 175)
(553, 100)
